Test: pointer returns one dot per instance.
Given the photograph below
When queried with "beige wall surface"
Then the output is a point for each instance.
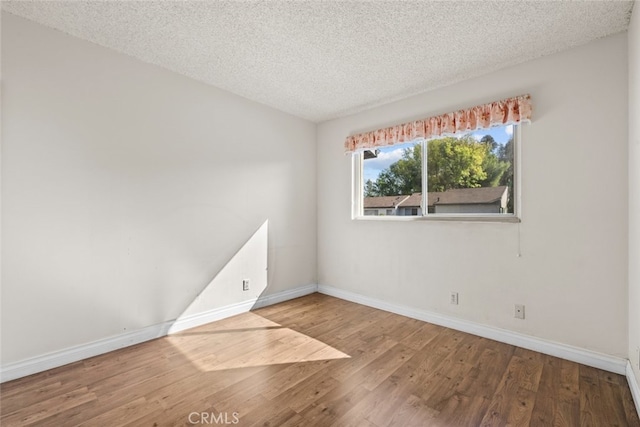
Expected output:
(128, 190)
(634, 190)
(572, 275)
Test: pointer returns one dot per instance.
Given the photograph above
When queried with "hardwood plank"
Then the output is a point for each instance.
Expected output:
(629, 406)
(381, 368)
(326, 410)
(31, 396)
(292, 376)
(64, 374)
(194, 393)
(48, 408)
(383, 327)
(440, 372)
(413, 412)
(547, 402)
(477, 389)
(513, 401)
(485, 375)
(360, 323)
(307, 392)
(318, 360)
(612, 399)
(455, 371)
(378, 404)
(591, 406)
(532, 368)
(294, 421)
(128, 413)
(421, 336)
(361, 357)
(462, 410)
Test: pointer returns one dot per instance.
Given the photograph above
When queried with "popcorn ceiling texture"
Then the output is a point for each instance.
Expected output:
(321, 60)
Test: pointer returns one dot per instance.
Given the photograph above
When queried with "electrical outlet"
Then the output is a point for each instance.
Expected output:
(245, 285)
(453, 298)
(638, 357)
(519, 311)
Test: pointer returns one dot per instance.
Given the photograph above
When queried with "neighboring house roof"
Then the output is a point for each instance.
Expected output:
(468, 196)
(383, 202)
(460, 196)
(413, 201)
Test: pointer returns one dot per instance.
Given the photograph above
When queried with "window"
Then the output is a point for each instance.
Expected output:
(469, 175)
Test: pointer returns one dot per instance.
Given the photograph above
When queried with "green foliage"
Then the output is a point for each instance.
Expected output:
(370, 189)
(455, 163)
(505, 153)
(493, 165)
(488, 139)
(402, 177)
(451, 163)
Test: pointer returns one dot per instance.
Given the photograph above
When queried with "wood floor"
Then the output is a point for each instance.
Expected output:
(320, 361)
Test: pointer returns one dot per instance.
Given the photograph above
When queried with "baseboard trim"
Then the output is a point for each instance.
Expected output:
(633, 385)
(202, 318)
(12, 371)
(220, 313)
(287, 295)
(23, 368)
(563, 351)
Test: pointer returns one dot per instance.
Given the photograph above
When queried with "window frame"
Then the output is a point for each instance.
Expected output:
(357, 198)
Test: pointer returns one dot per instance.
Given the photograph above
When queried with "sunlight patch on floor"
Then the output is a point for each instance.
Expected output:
(249, 340)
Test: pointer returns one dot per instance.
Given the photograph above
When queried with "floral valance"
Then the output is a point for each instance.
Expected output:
(499, 113)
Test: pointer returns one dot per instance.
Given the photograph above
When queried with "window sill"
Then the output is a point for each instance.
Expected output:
(443, 218)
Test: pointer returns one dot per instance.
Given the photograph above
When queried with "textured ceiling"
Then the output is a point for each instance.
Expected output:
(324, 59)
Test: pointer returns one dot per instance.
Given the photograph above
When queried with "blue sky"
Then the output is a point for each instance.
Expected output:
(390, 155)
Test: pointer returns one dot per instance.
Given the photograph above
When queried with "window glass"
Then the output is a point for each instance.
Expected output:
(470, 174)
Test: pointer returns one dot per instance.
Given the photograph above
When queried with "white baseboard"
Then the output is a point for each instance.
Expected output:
(634, 386)
(209, 316)
(20, 369)
(14, 370)
(52, 360)
(563, 351)
(202, 318)
(287, 295)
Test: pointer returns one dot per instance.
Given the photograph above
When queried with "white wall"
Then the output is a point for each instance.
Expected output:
(634, 189)
(572, 275)
(127, 188)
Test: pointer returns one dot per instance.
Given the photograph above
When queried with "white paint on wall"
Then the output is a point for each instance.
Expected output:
(126, 188)
(248, 263)
(634, 197)
(572, 274)
(43, 362)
